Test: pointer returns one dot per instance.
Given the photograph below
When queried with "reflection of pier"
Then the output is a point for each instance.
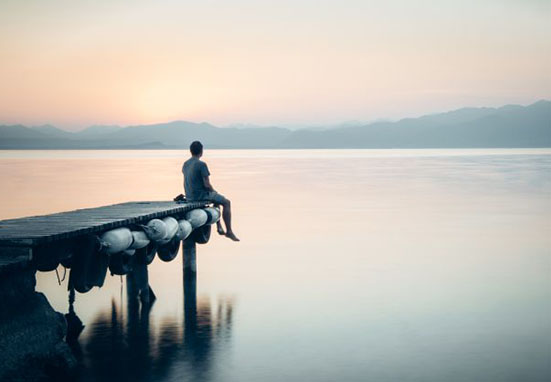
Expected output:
(130, 347)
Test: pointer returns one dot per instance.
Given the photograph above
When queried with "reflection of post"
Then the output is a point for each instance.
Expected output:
(137, 284)
(190, 279)
(189, 251)
(190, 298)
(190, 303)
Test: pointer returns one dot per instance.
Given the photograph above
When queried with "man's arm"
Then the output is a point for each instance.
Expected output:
(206, 182)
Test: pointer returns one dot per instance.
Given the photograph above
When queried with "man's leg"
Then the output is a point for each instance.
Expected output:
(219, 227)
(226, 215)
(219, 199)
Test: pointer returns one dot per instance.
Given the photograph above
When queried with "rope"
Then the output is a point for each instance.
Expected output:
(57, 274)
(71, 299)
(121, 289)
(59, 281)
(122, 305)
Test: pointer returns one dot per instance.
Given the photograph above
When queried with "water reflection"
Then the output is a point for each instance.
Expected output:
(74, 327)
(442, 271)
(124, 344)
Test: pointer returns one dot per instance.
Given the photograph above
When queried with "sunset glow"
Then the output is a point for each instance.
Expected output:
(75, 64)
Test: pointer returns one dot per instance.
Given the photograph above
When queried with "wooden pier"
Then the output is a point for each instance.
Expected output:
(19, 237)
(35, 230)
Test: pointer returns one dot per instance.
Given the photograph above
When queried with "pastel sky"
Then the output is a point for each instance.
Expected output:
(76, 63)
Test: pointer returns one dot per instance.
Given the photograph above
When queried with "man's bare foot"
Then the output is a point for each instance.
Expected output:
(221, 231)
(231, 235)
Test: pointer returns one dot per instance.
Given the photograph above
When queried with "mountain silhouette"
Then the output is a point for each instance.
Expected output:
(507, 126)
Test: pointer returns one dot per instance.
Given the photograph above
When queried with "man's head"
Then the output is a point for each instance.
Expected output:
(196, 149)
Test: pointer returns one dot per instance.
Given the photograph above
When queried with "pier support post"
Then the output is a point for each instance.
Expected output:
(190, 256)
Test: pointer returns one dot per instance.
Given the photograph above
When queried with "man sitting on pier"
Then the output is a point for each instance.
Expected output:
(198, 187)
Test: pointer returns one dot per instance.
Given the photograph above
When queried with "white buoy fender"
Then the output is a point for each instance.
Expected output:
(179, 233)
(197, 217)
(140, 240)
(185, 229)
(116, 240)
(213, 214)
(129, 252)
(155, 229)
(171, 228)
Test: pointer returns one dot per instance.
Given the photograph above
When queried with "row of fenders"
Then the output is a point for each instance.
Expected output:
(89, 257)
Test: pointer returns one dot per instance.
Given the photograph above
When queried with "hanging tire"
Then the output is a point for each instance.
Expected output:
(82, 288)
(67, 262)
(201, 235)
(46, 257)
(86, 251)
(169, 251)
(97, 270)
(121, 263)
(45, 262)
(147, 254)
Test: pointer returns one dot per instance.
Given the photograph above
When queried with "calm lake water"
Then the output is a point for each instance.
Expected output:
(354, 265)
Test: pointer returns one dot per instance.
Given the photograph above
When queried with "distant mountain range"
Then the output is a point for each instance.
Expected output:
(507, 126)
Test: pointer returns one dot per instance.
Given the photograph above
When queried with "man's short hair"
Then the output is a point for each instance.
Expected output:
(196, 148)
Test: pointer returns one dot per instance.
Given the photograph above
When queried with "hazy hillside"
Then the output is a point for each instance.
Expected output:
(508, 126)
(52, 131)
(94, 131)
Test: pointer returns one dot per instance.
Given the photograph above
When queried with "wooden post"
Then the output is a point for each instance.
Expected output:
(190, 291)
(190, 260)
(190, 307)
(190, 297)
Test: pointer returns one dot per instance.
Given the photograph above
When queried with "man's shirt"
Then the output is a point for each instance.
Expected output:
(195, 171)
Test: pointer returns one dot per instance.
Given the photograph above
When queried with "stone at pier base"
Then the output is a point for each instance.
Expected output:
(31, 333)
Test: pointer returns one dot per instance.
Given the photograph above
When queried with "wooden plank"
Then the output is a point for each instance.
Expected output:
(34, 230)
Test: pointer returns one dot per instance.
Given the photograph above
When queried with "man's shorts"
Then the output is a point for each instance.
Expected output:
(217, 198)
